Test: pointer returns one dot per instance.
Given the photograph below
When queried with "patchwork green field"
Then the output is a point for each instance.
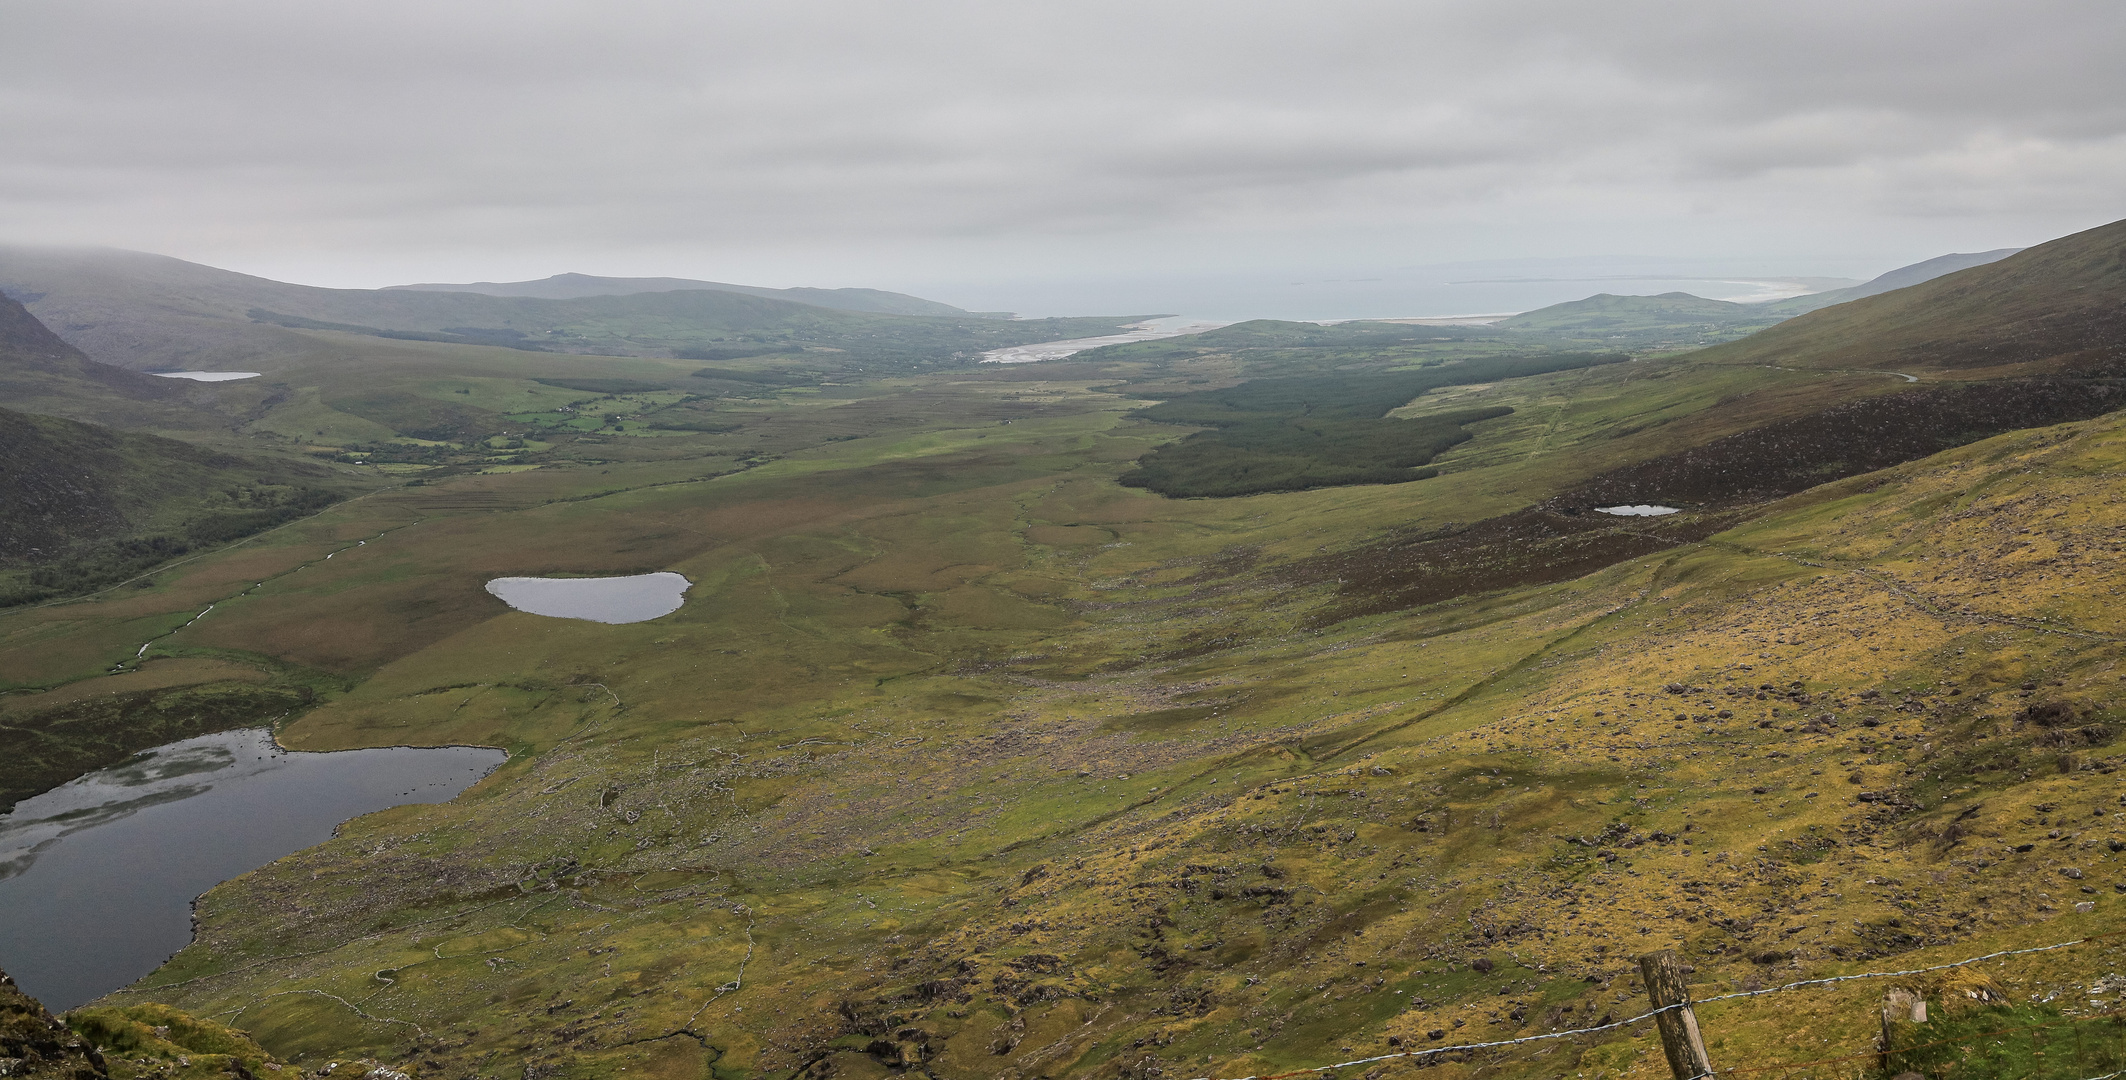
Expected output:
(964, 759)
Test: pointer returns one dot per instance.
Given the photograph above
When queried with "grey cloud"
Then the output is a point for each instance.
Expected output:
(852, 136)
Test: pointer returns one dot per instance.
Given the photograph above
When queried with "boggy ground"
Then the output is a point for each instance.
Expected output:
(964, 761)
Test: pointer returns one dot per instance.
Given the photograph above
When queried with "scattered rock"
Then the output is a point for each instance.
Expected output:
(33, 1043)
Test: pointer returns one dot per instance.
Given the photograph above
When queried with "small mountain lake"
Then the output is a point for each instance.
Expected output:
(1641, 510)
(639, 598)
(97, 876)
(206, 376)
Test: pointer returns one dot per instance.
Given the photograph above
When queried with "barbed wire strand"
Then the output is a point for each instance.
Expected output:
(1650, 1014)
(1913, 971)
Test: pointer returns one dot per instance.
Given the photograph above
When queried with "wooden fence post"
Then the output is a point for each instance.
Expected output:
(1901, 1008)
(1667, 987)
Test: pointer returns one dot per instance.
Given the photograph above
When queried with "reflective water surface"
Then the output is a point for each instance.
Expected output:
(1641, 510)
(599, 599)
(97, 876)
(1148, 330)
(206, 376)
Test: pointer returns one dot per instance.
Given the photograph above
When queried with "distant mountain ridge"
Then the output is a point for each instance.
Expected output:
(1604, 311)
(1899, 278)
(1681, 318)
(152, 312)
(578, 286)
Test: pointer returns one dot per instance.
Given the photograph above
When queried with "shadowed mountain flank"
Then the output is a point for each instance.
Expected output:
(82, 504)
(42, 373)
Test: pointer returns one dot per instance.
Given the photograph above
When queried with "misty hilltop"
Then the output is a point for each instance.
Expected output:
(152, 312)
(577, 286)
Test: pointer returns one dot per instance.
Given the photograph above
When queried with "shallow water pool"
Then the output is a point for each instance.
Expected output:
(638, 598)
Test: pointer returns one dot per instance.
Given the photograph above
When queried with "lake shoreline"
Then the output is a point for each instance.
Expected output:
(99, 875)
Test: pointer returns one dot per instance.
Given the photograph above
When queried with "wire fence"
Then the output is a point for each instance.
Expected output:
(2002, 1040)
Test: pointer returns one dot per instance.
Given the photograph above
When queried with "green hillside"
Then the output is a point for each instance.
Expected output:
(1900, 278)
(1669, 319)
(1681, 320)
(2057, 306)
(83, 505)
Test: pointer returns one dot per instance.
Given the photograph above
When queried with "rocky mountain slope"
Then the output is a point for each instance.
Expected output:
(133, 1043)
(33, 1043)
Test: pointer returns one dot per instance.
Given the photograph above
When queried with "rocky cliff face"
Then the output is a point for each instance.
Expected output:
(33, 1043)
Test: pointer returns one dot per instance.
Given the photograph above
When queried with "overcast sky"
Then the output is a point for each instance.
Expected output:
(1046, 156)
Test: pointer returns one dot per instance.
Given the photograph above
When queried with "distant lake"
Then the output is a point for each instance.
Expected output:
(1640, 510)
(206, 376)
(97, 876)
(639, 598)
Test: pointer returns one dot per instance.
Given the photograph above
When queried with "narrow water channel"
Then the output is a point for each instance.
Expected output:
(97, 876)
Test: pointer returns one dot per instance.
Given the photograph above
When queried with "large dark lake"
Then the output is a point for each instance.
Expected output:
(97, 876)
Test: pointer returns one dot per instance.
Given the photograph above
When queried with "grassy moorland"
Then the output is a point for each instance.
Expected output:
(965, 760)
